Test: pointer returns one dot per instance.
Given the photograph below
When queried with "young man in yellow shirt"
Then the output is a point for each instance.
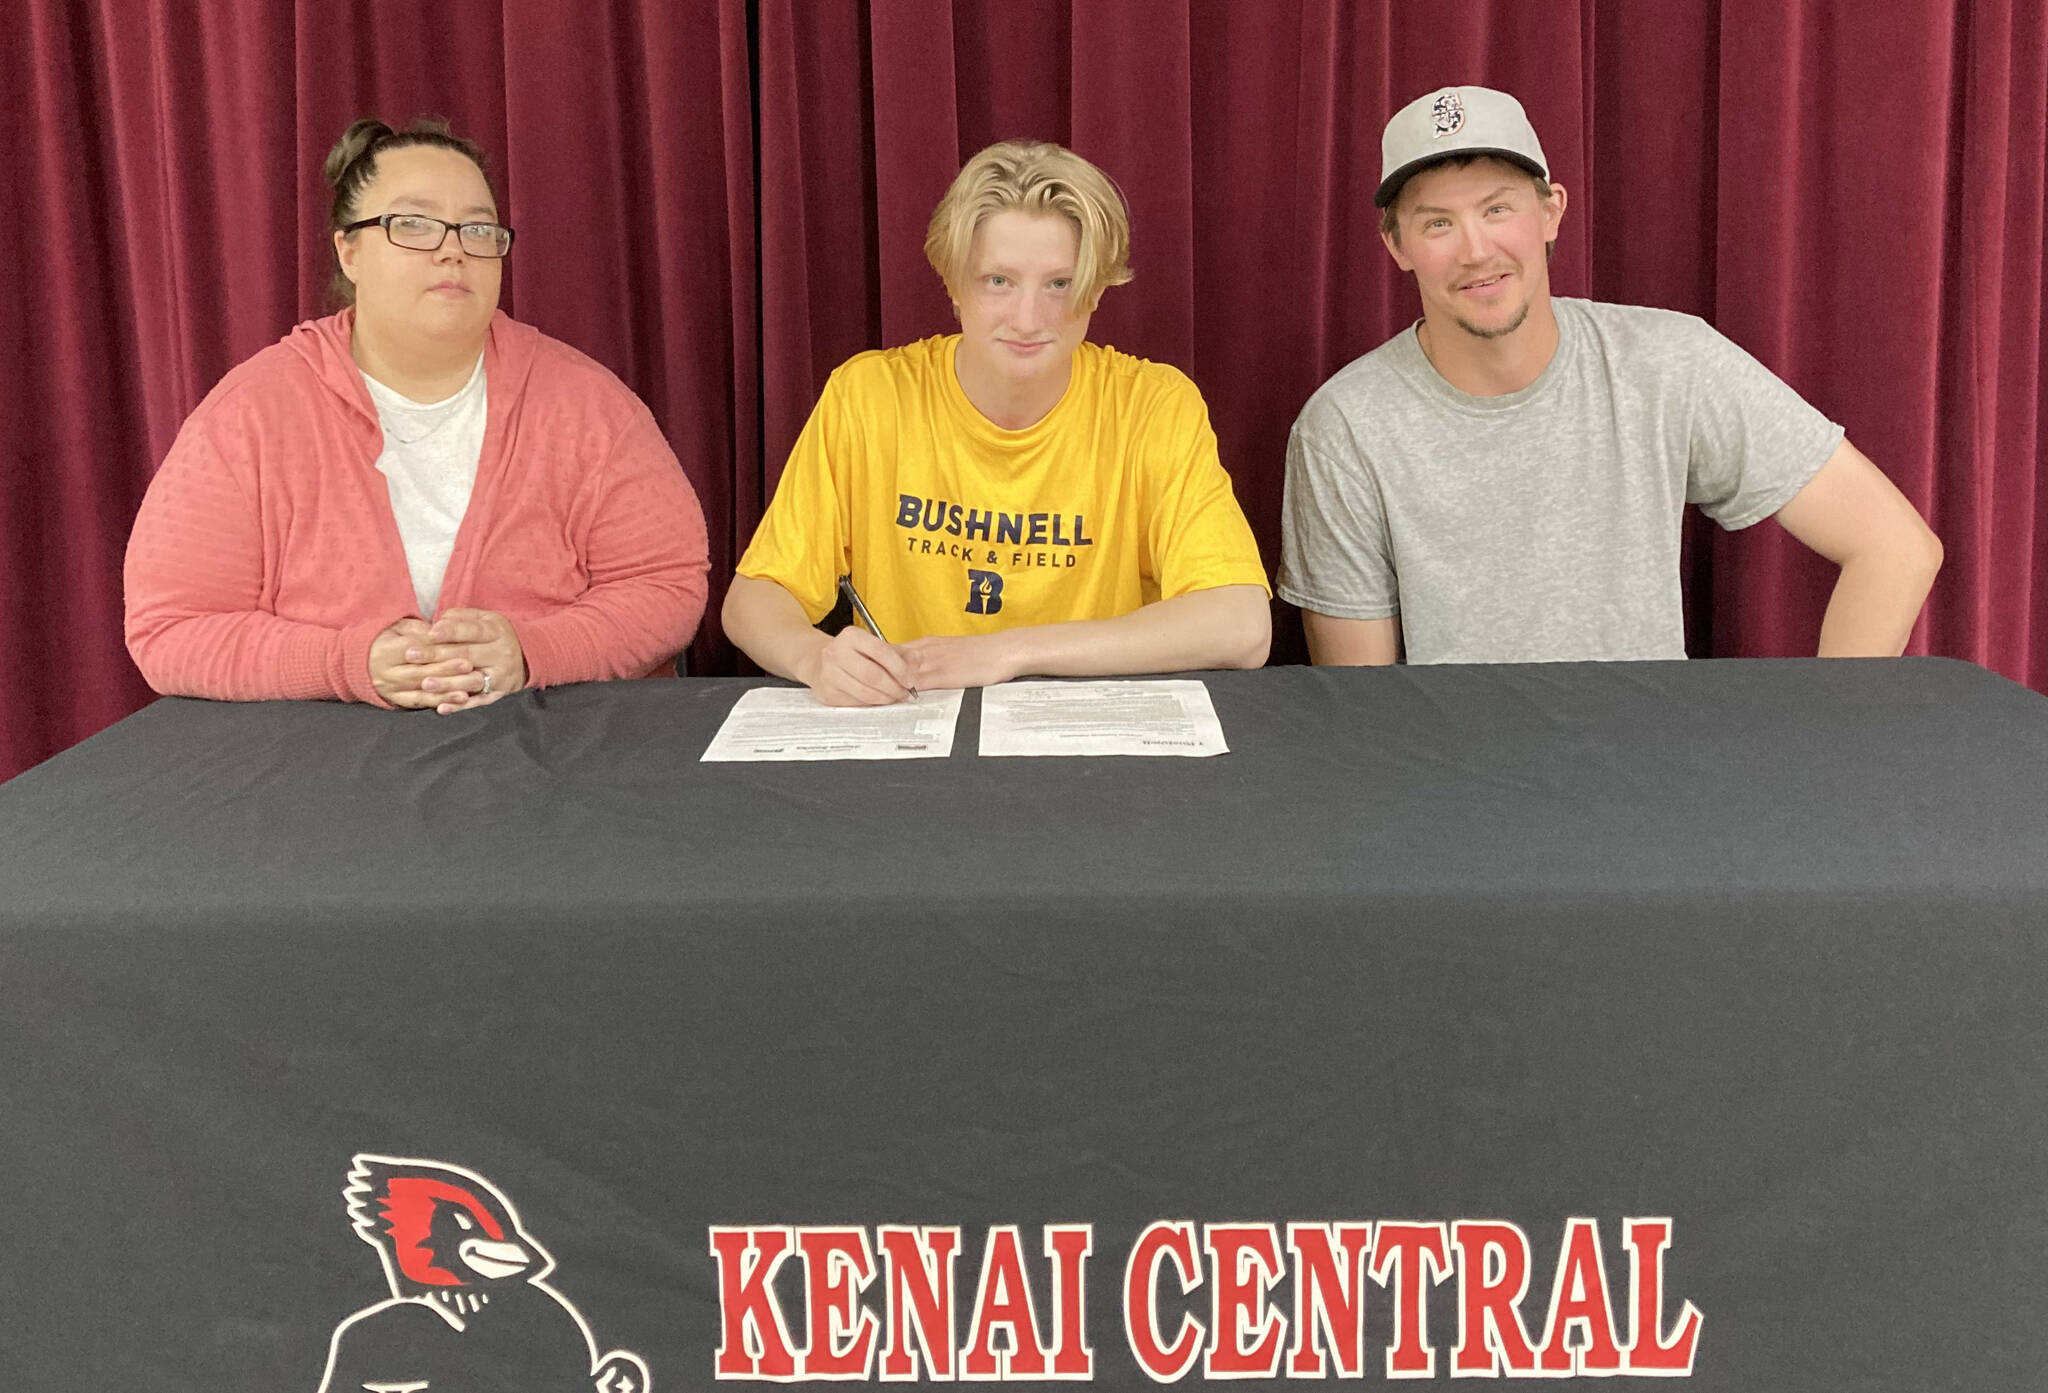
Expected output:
(1010, 499)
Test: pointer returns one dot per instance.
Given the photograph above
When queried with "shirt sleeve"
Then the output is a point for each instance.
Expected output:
(193, 583)
(1336, 555)
(645, 552)
(1754, 442)
(802, 543)
(1196, 534)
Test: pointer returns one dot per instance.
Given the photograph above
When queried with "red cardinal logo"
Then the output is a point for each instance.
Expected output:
(470, 1307)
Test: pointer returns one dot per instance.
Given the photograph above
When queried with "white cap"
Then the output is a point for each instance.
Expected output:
(1455, 121)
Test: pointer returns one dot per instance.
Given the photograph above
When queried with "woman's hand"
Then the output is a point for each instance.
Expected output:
(395, 671)
(481, 648)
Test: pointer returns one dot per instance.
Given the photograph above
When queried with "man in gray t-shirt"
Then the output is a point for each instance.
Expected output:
(1505, 481)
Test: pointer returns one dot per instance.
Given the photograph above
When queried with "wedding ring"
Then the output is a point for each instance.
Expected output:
(487, 683)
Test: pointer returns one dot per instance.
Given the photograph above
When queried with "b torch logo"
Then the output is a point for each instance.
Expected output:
(470, 1306)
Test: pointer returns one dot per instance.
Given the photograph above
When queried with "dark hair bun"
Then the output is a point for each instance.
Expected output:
(354, 142)
(352, 164)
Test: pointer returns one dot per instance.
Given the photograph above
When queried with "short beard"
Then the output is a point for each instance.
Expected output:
(1478, 333)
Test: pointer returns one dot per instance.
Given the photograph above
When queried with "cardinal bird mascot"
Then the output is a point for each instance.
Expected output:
(470, 1307)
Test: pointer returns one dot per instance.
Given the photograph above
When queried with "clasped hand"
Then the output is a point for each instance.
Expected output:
(465, 659)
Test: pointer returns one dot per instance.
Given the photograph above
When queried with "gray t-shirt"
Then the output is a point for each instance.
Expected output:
(1544, 525)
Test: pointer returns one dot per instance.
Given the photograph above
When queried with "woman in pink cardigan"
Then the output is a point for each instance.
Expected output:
(415, 502)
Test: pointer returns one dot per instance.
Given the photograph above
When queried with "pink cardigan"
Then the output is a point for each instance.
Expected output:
(265, 558)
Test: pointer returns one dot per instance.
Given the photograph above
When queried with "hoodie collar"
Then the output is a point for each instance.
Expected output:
(323, 344)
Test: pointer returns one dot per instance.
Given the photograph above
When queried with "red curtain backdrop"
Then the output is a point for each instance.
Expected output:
(722, 200)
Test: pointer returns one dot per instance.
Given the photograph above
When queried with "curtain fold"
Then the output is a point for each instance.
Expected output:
(721, 200)
(1989, 397)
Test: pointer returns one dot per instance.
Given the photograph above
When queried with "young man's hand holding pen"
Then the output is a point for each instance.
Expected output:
(857, 669)
(858, 666)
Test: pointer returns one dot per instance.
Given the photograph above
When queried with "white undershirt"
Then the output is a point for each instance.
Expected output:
(429, 466)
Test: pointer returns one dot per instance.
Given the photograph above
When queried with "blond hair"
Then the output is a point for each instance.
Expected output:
(1037, 177)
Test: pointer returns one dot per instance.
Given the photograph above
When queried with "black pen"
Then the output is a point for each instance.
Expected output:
(860, 612)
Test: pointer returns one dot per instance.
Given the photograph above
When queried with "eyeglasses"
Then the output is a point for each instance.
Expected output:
(420, 233)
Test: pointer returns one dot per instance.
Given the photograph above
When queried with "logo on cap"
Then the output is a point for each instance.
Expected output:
(1447, 113)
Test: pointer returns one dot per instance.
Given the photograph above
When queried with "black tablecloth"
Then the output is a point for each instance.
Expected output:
(1756, 949)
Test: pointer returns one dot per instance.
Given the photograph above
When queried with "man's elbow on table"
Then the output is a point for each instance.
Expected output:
(1239, 623)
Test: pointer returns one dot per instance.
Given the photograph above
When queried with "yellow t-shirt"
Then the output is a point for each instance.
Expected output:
(950, 524)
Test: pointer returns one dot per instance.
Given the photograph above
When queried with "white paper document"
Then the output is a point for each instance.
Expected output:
(1100, 718)
(771, 723)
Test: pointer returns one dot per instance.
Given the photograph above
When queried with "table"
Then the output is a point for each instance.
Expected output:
(1634, 1017)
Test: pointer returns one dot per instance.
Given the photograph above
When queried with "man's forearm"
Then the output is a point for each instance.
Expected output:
(769, 626)
(1226, 627)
